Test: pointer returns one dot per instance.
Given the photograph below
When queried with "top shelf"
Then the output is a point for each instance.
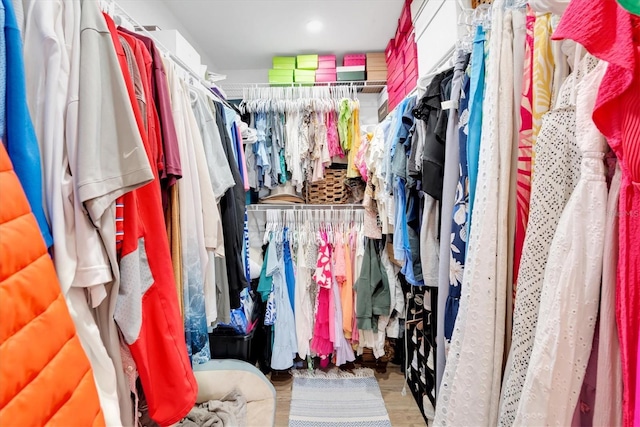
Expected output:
(234, 90)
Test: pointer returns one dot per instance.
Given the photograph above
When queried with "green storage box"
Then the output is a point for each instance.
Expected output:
(348, 76)
(307, 62)
(284, 62)
(305, 76)
(281, 76)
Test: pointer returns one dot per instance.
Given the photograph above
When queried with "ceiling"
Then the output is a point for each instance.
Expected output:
(245, 34)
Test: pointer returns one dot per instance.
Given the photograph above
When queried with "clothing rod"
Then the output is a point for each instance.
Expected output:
(300, 207)
(140, 29)
(358, 84)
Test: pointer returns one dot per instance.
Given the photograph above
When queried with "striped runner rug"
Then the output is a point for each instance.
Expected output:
(337, 398)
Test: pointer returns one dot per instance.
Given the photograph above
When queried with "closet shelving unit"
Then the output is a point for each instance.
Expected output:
(257, 207)
(235, 90)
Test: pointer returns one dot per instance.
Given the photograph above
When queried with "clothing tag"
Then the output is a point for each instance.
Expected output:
(449, 105)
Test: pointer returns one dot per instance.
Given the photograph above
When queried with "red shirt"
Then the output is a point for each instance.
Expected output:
(147, 310)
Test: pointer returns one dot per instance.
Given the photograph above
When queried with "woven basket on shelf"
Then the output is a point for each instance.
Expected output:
(330, 191)
(476, 3)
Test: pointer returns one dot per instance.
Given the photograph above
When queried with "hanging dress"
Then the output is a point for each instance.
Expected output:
(321, 343)
(284, 331)
(571, 286)
(557, 172)
(303, 302)
(612, 34)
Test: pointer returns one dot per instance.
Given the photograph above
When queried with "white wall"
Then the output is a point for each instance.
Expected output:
(436, 29)
(368, 108)
(157, 13)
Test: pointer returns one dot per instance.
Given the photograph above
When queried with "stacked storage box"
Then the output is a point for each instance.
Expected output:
(354, 60)
(353, 67)
(326, 71)
(402, 59)
(282, 71)
(350, 73)
(304, 76)
(306, 66)
(376, 67)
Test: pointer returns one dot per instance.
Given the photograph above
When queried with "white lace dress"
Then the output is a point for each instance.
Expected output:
(470, 388)
(556, 173)
(571, 287)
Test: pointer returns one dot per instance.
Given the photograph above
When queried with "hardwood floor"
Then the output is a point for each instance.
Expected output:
(403, 410)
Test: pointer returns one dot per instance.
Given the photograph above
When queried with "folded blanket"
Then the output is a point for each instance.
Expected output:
(231, 411)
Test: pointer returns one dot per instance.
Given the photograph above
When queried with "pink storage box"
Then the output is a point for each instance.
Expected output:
(327, 62)
(411, 67)
(390, 50)
(396, 62)
(326, 75)
(404, 22)
(395, 75)
(410, 48)
(354, 59)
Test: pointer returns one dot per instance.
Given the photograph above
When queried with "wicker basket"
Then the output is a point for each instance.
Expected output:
(476, 3)
(330, 191)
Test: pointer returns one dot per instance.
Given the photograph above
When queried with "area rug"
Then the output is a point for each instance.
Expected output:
(337, 398)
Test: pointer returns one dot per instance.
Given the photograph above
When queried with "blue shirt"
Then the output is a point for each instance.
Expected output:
(20, 140)
(3, 75)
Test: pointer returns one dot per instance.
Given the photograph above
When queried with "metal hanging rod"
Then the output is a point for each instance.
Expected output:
(259, 207)
(355, 83)
(115, 10)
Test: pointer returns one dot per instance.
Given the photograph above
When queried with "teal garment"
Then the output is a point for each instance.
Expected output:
(477, 83)
(343, 124)
(266, 282)
(20, 137)
(372, 287)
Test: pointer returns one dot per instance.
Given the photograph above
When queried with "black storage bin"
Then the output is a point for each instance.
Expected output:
(224, 345)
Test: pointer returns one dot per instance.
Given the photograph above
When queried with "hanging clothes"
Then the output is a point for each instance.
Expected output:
(616, 115)
(573, 273)
(372, 289)
(17, 134)
(558, 158)
(82, 265)
(477, 90)
(457, 244)
(470, 389)
(284, 332)
(145, 264)
(232, 209)
(452, 183)
(525, 149)
(607, 408)
(321, 343)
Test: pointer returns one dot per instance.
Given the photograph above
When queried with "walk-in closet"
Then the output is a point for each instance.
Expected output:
(319, 213)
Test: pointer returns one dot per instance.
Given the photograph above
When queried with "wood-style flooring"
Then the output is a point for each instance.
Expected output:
(403, 410)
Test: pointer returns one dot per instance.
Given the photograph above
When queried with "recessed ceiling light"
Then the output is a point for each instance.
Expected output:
(314, 26)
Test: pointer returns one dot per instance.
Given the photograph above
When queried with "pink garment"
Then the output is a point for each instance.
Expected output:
(612, 34)
(525, 151)
(339, 265)
(321, 343)
(333, 140)
(360, 159)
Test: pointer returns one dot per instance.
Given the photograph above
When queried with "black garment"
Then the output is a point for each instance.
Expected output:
(430, 110)
(232, 207)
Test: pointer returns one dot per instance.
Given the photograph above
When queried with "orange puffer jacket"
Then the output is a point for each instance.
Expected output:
(45, 376)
